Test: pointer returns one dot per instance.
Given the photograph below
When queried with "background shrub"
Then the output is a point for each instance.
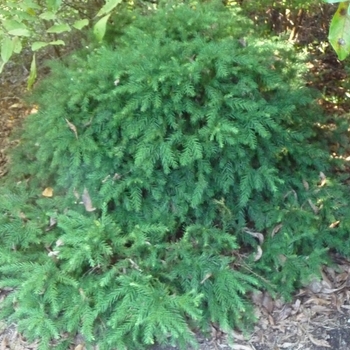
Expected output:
(173, 160)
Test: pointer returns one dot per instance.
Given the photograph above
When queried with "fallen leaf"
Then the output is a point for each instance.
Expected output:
(334, 224)
(4, 343)
(72, 127)
(52, 223)
(76, 194)
(288, 345)
(313, 206)
(208, 275)
(59, 242)
(258, 254)
(268, 303)
(319, 342)
(48, 192)
(306, 185)
(276, 229)
(257, 235)
(16, 105)
(315, 286)
(323, 179)
(87, 201)
(53, 253)
(240, 347)
(79, 347)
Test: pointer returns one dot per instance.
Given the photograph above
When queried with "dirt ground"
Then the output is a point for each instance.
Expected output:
(317, 318)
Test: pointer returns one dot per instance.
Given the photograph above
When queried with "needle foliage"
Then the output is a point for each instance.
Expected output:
(163, 180)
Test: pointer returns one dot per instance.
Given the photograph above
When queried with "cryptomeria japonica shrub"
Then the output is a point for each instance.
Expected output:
(160, 182)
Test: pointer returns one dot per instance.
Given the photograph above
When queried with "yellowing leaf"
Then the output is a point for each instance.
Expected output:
(72, 127)
(33, 74)
(48, 192)
(258, 253)
(79, 347)
(87, 201)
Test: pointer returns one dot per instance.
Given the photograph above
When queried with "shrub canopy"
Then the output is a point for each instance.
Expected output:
(165, 155)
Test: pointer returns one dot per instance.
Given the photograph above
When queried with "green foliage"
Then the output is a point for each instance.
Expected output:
(164, 157)
(37, 24)
(339, 31)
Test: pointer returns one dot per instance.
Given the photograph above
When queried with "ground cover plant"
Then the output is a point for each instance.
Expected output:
(164, 179)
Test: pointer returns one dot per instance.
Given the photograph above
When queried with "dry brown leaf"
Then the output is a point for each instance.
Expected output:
(315, 286)
(284, 313)
(52, 223)
(106, 178)
(319, 309)
(319, 342)
(318, 301)
(323, 179)
(334, 224)
(238, 336)
(258, 254)
(72, 127)
(257, 235)
(4, 343)
(287, 345)
(240, 347)
(306, 185)
(76, 194)
(268, 303)
(87, 201)
(208, 275)
(48, 192)
(79, 347)
(313, 206)
(257, 297)
(276, 229)
(16, 105)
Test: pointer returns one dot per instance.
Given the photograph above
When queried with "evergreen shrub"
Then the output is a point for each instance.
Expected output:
(162, 181)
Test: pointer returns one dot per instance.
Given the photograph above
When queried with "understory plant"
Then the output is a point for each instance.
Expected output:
(163, 180)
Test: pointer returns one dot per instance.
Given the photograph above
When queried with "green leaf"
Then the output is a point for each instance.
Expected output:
(332, 1)
(48, 15)
(6, 49)
(57, 42)
(28, 4)
(32, 74)
(53, 5)
(81, 23)
(100, 28)
(59, 28)
(339, 31)
(16, 28)
(37, 45)
(108, 7)
(17, 45)
(2, 65)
